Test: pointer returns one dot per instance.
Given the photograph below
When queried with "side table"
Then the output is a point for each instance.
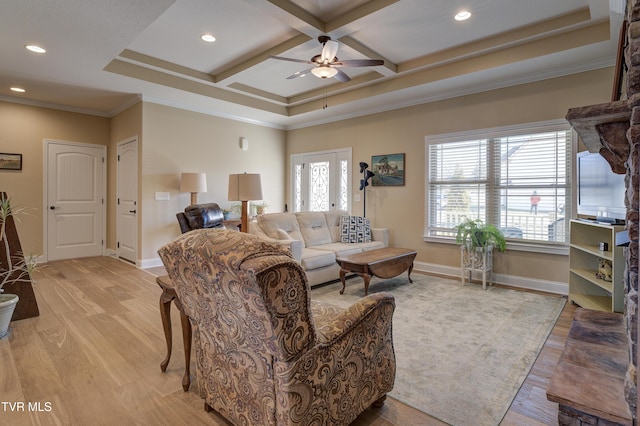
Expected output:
(168, 295)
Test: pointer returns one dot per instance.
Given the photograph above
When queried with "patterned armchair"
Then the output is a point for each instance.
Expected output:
(265, 353)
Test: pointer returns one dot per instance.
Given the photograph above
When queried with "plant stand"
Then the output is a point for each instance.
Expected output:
(479, 260)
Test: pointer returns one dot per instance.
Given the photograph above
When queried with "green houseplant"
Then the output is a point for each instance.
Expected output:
(14, 267)
(477, 241)
(474, 234)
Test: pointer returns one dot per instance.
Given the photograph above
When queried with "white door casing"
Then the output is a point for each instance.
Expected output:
(127, 200)
(320, 181)
(75, 186)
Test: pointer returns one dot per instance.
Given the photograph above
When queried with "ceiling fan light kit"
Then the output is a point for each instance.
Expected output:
(324, 71)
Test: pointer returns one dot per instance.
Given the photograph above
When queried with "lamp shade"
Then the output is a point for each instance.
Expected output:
(193, 182)
(245, 187)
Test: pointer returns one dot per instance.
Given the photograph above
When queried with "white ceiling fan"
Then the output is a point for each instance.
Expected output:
(327, 63)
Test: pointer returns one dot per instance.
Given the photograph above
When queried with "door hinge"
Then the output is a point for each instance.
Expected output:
(102, 242)
(118, 201)
(118, 157)
(102, 160)
(118, 244)
(103, 201)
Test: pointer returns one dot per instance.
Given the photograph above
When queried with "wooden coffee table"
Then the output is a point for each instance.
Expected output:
(386, 262)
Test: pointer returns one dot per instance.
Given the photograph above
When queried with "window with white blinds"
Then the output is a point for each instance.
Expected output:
(517, 179)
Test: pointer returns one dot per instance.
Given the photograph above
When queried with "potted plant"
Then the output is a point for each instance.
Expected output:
(474, 234)
(477, 241)
(14, 267)
(261, 208)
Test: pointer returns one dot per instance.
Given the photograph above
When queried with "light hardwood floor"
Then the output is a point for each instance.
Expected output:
(93, 357)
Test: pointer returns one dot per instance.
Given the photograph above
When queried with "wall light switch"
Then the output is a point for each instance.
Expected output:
(162, 196)
(356, 198)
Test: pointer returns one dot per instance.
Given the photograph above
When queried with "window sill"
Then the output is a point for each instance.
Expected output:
(557, 249)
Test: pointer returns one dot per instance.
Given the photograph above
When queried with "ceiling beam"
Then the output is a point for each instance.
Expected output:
(198, 87)
(258, 92)
(391, 68)
(356, 13)
(252, 61)
(331, 89)
(559, 42)
(293, 15)
(165, 65)
(540, 29)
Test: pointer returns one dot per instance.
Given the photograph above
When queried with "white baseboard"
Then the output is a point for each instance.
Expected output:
(139, 263)
(554, 287)
(149, 263)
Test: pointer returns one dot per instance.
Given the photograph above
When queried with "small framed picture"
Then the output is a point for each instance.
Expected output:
(388, 170)
(10, 161)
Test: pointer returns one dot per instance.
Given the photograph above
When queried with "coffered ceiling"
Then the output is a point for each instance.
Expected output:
(104, 55)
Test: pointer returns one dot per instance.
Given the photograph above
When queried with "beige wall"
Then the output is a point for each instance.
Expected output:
(404, 131)
(178, 141)
(174, 141)
(22, 131)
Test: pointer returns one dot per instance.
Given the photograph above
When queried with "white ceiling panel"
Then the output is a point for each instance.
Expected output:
(104, 54)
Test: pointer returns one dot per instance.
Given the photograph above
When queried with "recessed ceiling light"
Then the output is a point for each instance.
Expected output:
(208, 38)
(18, 89)
(34, 48)
(463, 15)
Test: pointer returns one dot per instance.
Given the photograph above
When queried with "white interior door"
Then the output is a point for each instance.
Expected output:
(75, 188)
(127, 201)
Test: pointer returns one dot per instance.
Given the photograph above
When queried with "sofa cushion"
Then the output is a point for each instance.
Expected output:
(371, 246)
(340, 249)
(355, 229)
(312, 258)
(274, 224)
(283, 235)
(313, 227)
(333, 223)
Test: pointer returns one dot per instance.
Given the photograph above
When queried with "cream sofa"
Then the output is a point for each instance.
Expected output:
(314, 239)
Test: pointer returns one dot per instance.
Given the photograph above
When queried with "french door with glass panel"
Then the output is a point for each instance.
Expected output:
(320, 181)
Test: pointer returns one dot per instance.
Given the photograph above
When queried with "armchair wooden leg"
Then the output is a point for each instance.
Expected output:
(379, 402)
(207, 408)
(165, 314)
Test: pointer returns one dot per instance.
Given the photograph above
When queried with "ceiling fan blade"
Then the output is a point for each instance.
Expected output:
(341, 76)
(329, 50)
(282, 58)
(299, 74)
(358, 63)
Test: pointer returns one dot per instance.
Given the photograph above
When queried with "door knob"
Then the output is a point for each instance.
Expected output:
(52, 208)
(132, 211)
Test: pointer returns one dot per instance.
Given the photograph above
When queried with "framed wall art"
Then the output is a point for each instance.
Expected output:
(10, 161)
(388, 170)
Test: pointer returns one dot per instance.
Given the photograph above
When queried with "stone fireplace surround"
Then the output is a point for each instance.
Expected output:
(613, 130)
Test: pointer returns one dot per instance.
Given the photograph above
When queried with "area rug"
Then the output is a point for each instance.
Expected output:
(462, 352)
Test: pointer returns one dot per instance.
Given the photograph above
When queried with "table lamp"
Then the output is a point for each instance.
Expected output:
(245, 187)
(193, 183)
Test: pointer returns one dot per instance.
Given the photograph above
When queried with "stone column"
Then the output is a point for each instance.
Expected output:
(632, 90)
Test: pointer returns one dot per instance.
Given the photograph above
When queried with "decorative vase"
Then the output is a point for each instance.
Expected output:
(8, 303)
